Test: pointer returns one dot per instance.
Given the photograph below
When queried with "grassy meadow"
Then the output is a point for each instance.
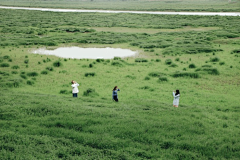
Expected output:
(134, 5)
(199, 55)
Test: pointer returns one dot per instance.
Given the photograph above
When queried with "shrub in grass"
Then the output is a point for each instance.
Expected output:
(26, 61)
(26, 56)
(14, 72)
(221, 63)
(49, 68)
(23, 76)
(63, 91)
(90, 92)
(192, 66)
(92, 74)
(215, 59)
(212, 71)
(30, 82)
(99, 60)
(206, 66)
(235, 51)
(162, 79)
(10, 60)
(4, 65)
(173, 65)
(168, 61)
(141, 60)
(145, 87)
(117, 58)
(117, 63)
(156, 74)
(39, 62)
(57, 64)
(147, 78)
(90, 65)
(184, 69)
(177, 59)
(32, 74)
(158, 60)
(186, 74)
(6, 57)
(15, 67)
(44, 72)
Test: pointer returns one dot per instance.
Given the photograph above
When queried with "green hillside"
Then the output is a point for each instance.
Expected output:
(199, 55)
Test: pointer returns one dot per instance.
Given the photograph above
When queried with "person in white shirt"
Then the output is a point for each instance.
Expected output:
(74, 88)
(176, 98)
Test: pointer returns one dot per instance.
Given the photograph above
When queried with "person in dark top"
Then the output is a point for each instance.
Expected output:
(114, 94)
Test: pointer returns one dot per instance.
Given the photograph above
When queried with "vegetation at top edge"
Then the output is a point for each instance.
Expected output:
(39, 119)
(135, 5)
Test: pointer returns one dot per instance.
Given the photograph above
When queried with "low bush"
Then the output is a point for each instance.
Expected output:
(177, 59)
(92, 74)
(63, 91)
(147, 78)
(26, 61)
(44, 72)
(30, 82)
(145, 87)
(90, 92)
(141, 60)
(6, 57)
(206, 66)
(4, 65)
(158, 60)
(168, 61)
(173, 65)
(49, 68)
(215, 59)
(99, 60)
(23, 76)
(156, 74)
(162, 79)
(32, 74)
(117, 58)
(57, 64)
(90, 65)
(235, 51)
(186, 74)
(192, 66)
(9, 60)
(14, 72)
(212, 71)
(15, 67)
(117, 63)
(221, 63)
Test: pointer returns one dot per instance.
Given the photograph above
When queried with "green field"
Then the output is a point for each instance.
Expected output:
(134, 5)
(199, 55)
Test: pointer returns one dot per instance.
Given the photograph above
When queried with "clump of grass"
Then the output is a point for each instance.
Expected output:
(15, 67)
(117, 58)
(64, 92)
(206, 66)
(141, 60)
(92, 74)
(4, 65)
(192, 66)
(90, 92)
(168, 61)
(235, 51)
(49, 68)
(147, 78)
(90, 65)
(215, 59)
(173, 65)
(212, 71)
(158, 60)
(57, 64)
(162, 79)
(177, 59)
(32, 74)
(6, 57)
(99, 60)
(131, 77)
(44, 72)
(156, 74)
(14, 72)
(23, 76)
(26, 61)
(117, 63)
(145, 87)
(221, 63)
(186, 74)
(30, 82)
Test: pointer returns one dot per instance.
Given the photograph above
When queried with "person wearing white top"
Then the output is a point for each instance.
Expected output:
(74, 88)
(176, 98)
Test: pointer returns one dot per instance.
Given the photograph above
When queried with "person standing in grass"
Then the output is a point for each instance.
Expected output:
(114, 94)
(74, 88)
(176, 98)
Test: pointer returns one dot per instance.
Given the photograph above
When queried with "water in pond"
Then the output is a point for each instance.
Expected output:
(87, 53)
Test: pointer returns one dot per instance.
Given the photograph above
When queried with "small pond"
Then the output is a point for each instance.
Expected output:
(87, 53)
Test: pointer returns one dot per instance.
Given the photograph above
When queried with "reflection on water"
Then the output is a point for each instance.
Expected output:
(87, 53)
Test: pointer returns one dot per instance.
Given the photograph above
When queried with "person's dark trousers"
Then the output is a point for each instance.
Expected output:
(115, 98)
(74, 94)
